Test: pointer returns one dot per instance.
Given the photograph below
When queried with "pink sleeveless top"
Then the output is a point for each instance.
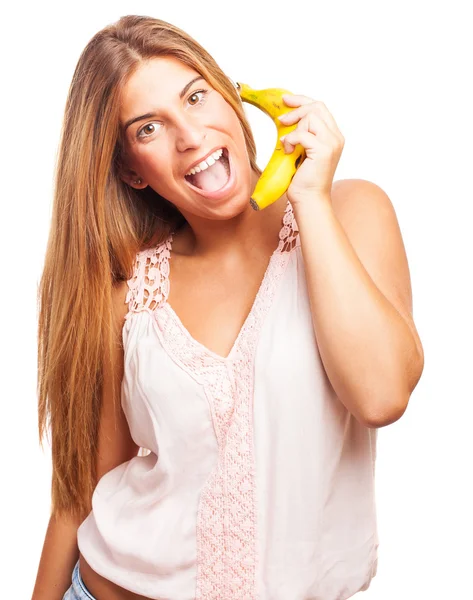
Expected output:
(259, 484)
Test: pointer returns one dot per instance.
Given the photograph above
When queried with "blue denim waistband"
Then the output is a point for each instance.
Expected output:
(77, 591)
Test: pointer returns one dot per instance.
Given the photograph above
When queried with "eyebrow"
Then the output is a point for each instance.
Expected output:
(151, 114)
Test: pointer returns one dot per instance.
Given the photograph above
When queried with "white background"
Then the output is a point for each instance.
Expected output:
(397, 78)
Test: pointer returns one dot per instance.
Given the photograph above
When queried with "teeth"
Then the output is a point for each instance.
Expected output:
(205, 164)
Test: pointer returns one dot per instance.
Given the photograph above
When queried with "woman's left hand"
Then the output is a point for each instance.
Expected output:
(318, 133)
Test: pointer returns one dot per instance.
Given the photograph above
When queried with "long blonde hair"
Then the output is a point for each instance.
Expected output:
(98, 225)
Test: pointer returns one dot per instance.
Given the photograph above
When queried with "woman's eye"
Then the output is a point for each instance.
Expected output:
(196, 95)
(147, 130)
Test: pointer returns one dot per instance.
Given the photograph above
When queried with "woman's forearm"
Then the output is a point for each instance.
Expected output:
(59, 555)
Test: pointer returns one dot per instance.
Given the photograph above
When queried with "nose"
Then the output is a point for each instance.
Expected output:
(189, 133)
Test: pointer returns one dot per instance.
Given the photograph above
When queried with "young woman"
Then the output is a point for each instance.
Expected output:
(250, 355)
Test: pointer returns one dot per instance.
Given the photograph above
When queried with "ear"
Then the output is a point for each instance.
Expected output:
(132, 178)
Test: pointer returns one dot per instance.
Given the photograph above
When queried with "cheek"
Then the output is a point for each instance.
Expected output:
(223, 114)
(237, 127)
(151, 161)
(232, 119)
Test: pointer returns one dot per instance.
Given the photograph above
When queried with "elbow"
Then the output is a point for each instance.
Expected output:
(389, 411)
(384, 414)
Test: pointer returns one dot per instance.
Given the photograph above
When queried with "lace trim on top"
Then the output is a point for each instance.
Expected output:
(226, 528)
(149, 286)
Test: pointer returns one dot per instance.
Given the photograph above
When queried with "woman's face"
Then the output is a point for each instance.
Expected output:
(172, 119)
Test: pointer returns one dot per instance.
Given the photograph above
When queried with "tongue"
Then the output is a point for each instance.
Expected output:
(212, 179)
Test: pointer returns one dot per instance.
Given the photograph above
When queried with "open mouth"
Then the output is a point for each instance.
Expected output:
(213, 177)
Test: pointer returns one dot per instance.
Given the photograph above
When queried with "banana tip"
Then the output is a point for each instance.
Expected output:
(253, 204)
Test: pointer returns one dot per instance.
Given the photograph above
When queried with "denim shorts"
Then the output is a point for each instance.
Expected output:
(77, 591)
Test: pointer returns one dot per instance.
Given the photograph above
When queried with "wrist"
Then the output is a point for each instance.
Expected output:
(311, 202)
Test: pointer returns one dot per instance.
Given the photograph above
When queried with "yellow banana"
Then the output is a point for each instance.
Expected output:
(281, 168)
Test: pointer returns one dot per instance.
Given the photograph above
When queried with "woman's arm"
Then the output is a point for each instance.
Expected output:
(59, 555)
(361, 299)
(115, 446)
(357, 273)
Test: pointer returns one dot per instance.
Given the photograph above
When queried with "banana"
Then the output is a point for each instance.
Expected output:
(281, 168)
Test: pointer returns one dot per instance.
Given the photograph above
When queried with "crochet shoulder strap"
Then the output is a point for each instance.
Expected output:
(149, 285)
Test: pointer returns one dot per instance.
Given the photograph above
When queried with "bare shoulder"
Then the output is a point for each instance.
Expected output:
(369, 220)
(347, 194)
(367, 214)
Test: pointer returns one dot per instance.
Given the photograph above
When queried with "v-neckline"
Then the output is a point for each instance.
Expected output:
(233, 349)
(233, 354)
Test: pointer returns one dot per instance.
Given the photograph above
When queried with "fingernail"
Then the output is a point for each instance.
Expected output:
(282, 138)
(282, 117)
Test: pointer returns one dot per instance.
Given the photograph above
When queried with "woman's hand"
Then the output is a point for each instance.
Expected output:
(318, 133)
